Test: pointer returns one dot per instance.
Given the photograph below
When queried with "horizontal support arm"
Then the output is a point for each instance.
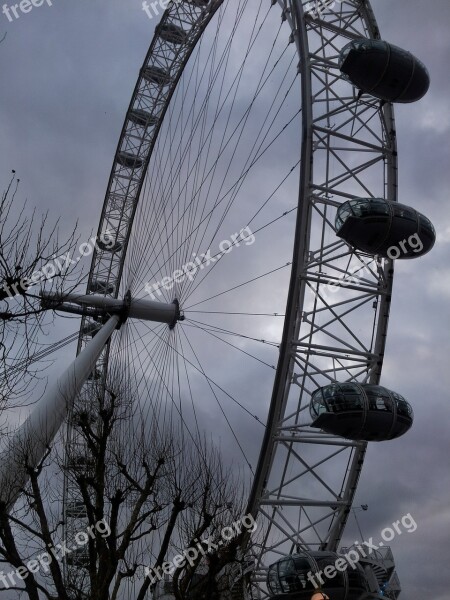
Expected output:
(136, 308)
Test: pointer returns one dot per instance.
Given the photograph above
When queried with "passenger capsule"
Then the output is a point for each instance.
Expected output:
(388, 229)
(131, 161)
(199, 3)
(101, 287)
(360, 412)
(292, 578)
(156, 75)
(172, 33)
(142, 118)
(384, 70)
(107, 244)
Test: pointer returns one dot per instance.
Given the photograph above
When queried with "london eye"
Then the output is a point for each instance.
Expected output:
(255, 126)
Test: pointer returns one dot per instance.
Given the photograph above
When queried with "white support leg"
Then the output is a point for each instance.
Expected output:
(34, 436)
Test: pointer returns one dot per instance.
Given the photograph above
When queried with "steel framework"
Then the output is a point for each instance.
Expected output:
(157, 81)
(339, 299)
(338, 303)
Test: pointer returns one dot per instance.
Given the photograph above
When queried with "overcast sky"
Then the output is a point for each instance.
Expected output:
(68, 71)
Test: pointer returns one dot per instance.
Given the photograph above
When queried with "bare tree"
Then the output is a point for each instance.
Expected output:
(144, 491)
(147, 491)
(31, 256)
(211, 501)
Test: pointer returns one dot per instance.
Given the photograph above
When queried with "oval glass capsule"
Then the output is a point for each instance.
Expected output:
(387, 229)
(99, 286)
(360, 412)
(172, 33)
(107, 244)
(131, 161)
(142, 118)
(292, 578)
(384, 70)
(156, 75)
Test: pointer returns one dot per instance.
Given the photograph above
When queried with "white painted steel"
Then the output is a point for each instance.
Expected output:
(28, 445)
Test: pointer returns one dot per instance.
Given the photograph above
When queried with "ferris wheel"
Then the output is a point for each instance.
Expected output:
(245, 250)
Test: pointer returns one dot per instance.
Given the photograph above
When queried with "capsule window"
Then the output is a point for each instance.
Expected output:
(361, 46)
(337, 399)
(318, 404)
(427, 226)
(378, 401)
(344, 55)
(349, 388)
(379, 207)
(366, 46)
(330, 391)
(405, 212)
(273, 581)
(360, 207)
(352, 402)
(334, 404)
(349, 397)
(295, 579)
(342, 215)
(288, 576)
(403, 408)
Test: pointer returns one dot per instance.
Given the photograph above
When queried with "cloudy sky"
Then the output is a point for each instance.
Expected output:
(68, 71)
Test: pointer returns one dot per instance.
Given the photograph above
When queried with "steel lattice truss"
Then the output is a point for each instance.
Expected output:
(145, 114)
(340, 299)
(338, 307)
